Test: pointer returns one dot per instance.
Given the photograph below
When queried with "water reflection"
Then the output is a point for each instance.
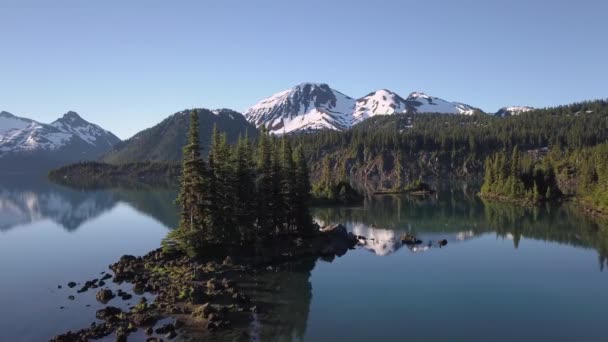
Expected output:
(456, 214)
(32, 199)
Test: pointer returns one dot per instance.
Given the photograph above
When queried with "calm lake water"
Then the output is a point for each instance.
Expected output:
(507, 273)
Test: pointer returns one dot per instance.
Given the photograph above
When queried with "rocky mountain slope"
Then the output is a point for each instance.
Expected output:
(315, 106)
(26, 143)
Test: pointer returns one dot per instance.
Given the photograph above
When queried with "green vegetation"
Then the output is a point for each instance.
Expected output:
(242, 195)
(399, 149)
(164, 142)
(580, 173)
(585, 174)
(94, 175)
(519, 179)
(329, 190)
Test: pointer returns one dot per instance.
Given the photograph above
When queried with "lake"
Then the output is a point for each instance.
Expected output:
(507, 272)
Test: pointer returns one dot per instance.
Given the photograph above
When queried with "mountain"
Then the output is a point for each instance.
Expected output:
(423, 103)
(379, 102)
(513, 110)
(316, 106)
(307, 106)
(164, 141)
(26, 143)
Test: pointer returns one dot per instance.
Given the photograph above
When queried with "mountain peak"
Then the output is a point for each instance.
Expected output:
(71, 116)
(6, 114)
(418, 94)
(306, 106)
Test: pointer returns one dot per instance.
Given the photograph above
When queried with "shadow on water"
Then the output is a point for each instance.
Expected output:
(25, 200)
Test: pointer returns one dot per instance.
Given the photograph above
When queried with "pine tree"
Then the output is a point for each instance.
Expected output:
(193, 219)
(288, 186)
(244, 190)
(278, 205)
(302, 218)
(264, 185)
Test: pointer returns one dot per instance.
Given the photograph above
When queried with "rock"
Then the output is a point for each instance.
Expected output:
(203, 311)
(227, 261)
(102, 283)
(336, 229)
(104, 295)
(442, 243)
(139, 287)
(143, 319)
(121, 338)
(165, 329)
(71, 284)
(106, 277)
(126, 296)
(70, 297)
(227, 283)
(197, 294)
(58, 286)
(410, 240)
(108, 313)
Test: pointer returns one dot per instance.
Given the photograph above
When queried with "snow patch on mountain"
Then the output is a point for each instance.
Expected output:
(314, 106)
(21, 135)
(424, 103)
(379, 102)
(92, 134)
(307, 106)
(513, 110)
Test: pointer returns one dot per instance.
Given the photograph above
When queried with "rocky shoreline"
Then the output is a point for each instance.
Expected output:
(196, 299)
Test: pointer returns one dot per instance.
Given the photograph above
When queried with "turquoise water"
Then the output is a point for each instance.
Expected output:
(507, 273)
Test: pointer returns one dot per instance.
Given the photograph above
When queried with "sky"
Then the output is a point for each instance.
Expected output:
(126, 67)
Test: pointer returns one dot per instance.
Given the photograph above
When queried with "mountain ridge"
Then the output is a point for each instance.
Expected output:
(314, 106)
(27, 142)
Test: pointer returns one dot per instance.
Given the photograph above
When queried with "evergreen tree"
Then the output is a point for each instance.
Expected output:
(302, 218)
(193, 219)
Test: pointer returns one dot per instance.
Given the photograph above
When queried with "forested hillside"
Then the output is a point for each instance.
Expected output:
(580, 173)
(387, 151)
(164, 142)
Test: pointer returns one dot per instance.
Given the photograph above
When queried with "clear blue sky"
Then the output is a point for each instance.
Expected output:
(126, 67)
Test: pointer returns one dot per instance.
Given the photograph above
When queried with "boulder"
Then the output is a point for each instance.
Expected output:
(143, 319)
(107, 313)
(71, 284)
(104, 295)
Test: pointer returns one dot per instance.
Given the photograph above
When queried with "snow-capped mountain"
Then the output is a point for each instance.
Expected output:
(379, 102)
(92, 134)
(513, 110)
(423, 103)
(26, 142)
(314, 106)
(307, 106)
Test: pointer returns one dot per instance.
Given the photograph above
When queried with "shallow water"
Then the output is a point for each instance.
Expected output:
(506, 273)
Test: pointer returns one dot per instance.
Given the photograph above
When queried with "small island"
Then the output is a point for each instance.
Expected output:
(237, 215)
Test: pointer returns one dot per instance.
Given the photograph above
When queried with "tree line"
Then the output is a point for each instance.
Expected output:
(400, 140)
(245, 193)
(582, 173)
(519, 178)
